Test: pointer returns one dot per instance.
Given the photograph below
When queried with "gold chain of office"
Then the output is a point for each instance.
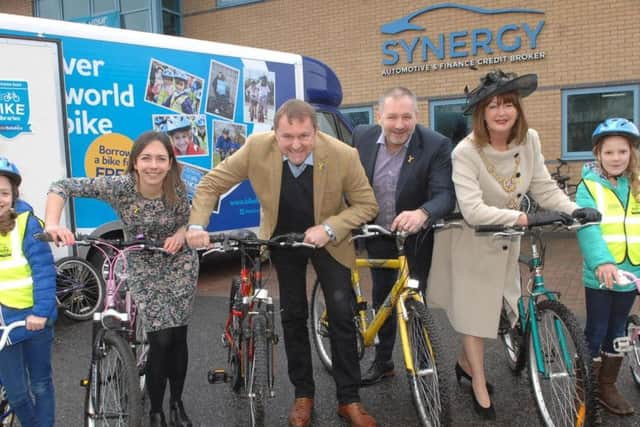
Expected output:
(508, 183)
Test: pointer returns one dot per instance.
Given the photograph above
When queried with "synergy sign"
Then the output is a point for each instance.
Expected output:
(459, 49)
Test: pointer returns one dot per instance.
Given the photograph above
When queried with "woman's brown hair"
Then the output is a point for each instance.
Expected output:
(172, 182)
(519, 130)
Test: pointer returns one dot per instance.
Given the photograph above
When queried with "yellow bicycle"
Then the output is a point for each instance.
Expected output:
(418, 334)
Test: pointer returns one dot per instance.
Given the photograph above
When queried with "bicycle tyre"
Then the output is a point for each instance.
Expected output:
(117, 392)
(79, 288)
(320, 326)
(634, 354)
(7, 417)
(428, 387)
(234, 355)
(258, 371)
(515, 349)
(141, 352)
(559, 389)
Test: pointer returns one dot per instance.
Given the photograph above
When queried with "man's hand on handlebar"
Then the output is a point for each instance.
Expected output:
(316, 236)
(584, 215)
(197, 239)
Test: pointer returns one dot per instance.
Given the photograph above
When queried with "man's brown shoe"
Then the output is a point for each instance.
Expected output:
(300, 412)
(355, 415)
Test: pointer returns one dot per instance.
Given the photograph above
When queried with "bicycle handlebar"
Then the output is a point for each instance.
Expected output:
(249, 238)
(374, 230)
(87, 240)
(521, 229)
(8, 328)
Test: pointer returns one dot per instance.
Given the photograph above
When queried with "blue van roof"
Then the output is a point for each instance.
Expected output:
(321, 85)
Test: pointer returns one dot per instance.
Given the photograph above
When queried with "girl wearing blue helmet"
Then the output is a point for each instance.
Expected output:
(611, 184)
(27, 292)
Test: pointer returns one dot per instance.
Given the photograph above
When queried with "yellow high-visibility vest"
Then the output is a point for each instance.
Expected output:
(16, 283)
(620, 227)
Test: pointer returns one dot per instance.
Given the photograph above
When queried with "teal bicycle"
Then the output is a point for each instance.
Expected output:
(548, 338)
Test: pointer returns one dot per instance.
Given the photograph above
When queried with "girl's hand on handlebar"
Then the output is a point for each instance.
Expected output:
(35, 323)
(607, 274)
(60, 235)
(174, 243)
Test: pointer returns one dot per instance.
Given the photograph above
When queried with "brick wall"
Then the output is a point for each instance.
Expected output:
(17, 7)
(591, 45)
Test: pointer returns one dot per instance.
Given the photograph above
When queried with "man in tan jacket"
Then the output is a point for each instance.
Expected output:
(306, 182)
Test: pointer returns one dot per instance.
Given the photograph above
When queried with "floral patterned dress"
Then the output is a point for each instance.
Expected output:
(163, 285)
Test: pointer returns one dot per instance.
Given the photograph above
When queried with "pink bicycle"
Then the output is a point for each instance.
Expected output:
(115, 386)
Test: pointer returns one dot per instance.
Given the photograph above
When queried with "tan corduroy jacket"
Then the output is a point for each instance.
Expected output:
(342, 196)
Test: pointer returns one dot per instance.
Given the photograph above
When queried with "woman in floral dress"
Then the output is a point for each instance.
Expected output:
(151, 201)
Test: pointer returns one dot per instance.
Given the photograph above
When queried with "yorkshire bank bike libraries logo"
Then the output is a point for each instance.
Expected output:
(14, 108)
(511, 42)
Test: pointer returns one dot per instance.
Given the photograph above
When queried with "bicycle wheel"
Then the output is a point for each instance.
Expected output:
(257, 370)
(7, 418)
(514, 349)
(428, 388)
(79, 288)
(114, 392)
(320, 326)
(633, 322)
(141, 351)
(565, 392)
(234, 356)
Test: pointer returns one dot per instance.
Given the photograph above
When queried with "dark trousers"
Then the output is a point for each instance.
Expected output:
(418, 249)
(291, 266)
(607, 313)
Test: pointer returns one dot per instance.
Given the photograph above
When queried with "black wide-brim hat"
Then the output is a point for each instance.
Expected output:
(497, 82)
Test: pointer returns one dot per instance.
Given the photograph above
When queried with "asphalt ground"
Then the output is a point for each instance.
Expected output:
(389, 402)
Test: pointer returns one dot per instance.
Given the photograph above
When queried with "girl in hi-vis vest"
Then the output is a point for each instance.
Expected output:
(611, 184)
(27, 292)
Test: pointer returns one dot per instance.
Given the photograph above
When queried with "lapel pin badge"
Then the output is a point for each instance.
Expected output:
(410, 158)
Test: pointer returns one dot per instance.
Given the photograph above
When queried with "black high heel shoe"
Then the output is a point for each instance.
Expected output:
(461, 373)
(486, 413)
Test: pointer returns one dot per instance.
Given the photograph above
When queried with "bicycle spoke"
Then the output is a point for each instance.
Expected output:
(562, 383)
(428, 390)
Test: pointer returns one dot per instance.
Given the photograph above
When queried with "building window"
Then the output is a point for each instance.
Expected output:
(229, 3)
(447, 118)
(161, 16)
(358, 115)
(583, 109)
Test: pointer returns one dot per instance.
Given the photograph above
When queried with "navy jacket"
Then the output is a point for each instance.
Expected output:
(424, 181)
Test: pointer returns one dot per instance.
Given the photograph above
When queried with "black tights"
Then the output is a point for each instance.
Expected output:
(168, 358)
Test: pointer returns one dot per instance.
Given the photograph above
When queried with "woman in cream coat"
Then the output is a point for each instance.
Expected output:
(493, 168)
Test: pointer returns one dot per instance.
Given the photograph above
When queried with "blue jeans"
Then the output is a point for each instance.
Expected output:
(25, 371)
(607, 313)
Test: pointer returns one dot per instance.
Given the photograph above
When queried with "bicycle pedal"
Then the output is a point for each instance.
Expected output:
(216, 376)
(84, 382)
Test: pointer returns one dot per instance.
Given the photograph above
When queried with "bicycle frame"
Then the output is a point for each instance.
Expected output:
(536, 283)
(252, 293)
(403, 288)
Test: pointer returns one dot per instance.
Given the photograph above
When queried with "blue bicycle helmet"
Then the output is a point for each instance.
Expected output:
(10, 170)
(167, 74)
(616, 126)
(176, 123)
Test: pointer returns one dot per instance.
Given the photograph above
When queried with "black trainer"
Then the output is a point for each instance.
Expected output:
(377, 372)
